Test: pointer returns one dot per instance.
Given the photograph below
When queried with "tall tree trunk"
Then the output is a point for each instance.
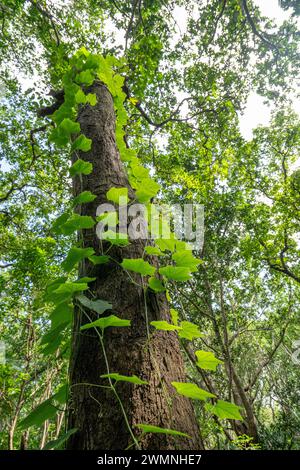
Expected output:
(158, 360)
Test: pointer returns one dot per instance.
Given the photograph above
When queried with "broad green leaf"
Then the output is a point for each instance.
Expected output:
(153, 250)
(157, 430)
(138, 171)
(102, 259)
(165, 244)
(50, 348)
(57, 443)
(39, 414)
(80, 97)
(175, 273)
(53, 333)
(190, 331)
(70, 288)
(59, 137)
(174, 316)
(187, 259)
(115, 238)
(62, 314)
(191, 391)
(86, 77)
(207, 360)
(124, 378)
(77, 222)
(82, 143)
(61, 395)
(62, 219)
(98, 305)
(91, 98)
(81, 167)
(60, 291)
(118, 195)
(52, 286)
(146, 190)
(105, 322)
(84, 197)
(85, 279)
(74, 256)
(108, 219)
(156, 285)
(225, 410)
(69, 127)
(164, 325)
(138, 265)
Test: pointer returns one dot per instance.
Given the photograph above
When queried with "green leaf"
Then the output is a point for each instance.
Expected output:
(175, 273)
(80, 97)
(146, 190)
(74, 256)
(77, 222)
(69, 127)
(61, 395)
(174, 316)
(70, 288)
(166, 244)
(187, 259)
(91, 98)
(138, 265)
(98, 305)
(164, 325)
(115, 238)
(59, 137)
(60, 221)
(190, 331)
(53, 333)
(102, 259)
(81, 167)
(109, 219)
(85, 77)
(85, 279)
(153, 250)
(156, 285)
(157, 430)
(84, 197)
(105, 322)
(124, 378)
(62, 314)
(225, 410)
(207, 360)
(52, 286)
(191, 391)
(82, 143)
(50, 348)
(57, 443)
(38, 415)
(118, 195)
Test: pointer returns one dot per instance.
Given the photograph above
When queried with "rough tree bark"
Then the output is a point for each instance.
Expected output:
(95, 411)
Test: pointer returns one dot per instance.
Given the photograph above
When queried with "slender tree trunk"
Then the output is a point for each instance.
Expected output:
(158, 360)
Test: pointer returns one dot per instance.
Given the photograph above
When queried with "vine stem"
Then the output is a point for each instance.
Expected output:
(111, 385)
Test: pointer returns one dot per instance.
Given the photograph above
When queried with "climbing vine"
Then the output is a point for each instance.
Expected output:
(178, 261)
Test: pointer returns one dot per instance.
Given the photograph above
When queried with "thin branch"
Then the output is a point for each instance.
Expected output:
(50, 17)
(255, 31)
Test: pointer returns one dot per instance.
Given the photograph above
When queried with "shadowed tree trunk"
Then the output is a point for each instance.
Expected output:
(95, 411)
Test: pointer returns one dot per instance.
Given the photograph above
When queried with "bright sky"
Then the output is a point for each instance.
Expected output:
(257, 112)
